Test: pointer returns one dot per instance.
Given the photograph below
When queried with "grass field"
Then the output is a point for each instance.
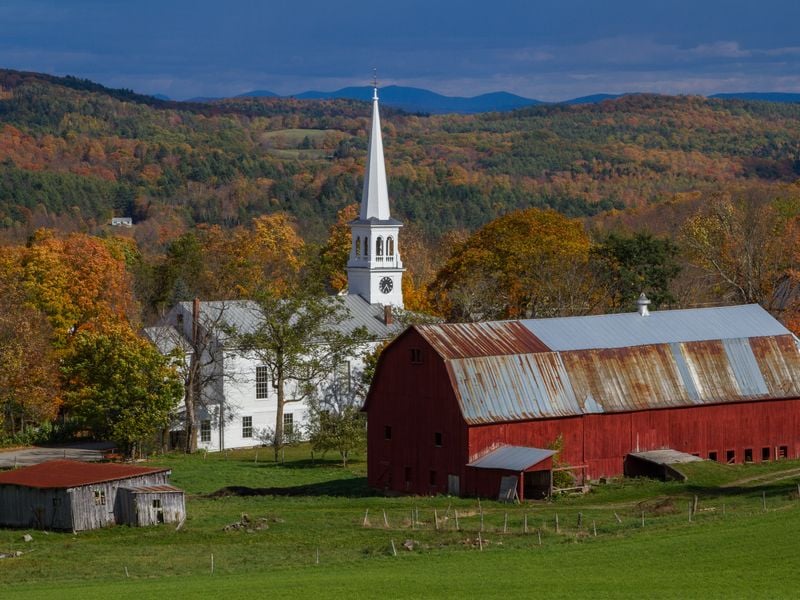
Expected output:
(315, 541)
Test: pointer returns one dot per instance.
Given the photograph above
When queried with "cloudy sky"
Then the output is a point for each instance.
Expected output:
(547, 50)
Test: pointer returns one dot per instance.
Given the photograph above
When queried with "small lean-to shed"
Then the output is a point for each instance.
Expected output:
(150, 505)
(71, 495)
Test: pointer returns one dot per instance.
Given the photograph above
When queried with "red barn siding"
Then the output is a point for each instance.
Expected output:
(602, 441)
(416, 401)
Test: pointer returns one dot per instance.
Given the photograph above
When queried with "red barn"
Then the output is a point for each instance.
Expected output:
(455, 408)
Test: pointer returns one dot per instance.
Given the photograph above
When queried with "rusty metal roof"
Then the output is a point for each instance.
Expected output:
(460, 340)
(512, 458)
(72, 473)
(616, 363)
(559, 384)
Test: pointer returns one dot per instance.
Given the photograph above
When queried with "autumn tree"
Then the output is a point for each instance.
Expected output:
(300, 339)
(336, 251)
(531, 263)
(119, 386)
(743, 240)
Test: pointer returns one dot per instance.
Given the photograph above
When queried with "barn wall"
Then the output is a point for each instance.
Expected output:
(416, 401)
(87, 514)
(485, 483)
(601, 441)
(34, 508)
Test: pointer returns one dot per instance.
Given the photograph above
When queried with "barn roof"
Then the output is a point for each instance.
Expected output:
(702, 356)
(72, 473)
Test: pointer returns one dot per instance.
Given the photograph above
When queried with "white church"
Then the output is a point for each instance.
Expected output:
(238, 401)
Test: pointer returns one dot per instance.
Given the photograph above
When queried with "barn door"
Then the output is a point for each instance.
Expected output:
(453, 485)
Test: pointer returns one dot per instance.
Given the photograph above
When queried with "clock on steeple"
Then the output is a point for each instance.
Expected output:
(375, 270)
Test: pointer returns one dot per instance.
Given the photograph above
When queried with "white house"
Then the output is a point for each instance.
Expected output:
(237, 399)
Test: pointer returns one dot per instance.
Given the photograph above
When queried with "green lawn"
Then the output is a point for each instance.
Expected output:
(645, 545)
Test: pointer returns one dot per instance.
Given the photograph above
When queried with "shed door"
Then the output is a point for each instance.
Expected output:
(453, 485)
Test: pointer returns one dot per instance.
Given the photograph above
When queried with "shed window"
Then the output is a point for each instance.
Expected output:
(262, 382)
(730, 456)
(99, 497)
(765, 454)
(157, 503)
(205, 430)
(712, 455)
(783, 451)
(437, 439)
(387, 432)
(748, 455)
(247, 427)
(416, 356)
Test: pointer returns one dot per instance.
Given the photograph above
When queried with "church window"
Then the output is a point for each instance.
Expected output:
(390, 246)
(358, 246)
(379, 247)
(366, 246)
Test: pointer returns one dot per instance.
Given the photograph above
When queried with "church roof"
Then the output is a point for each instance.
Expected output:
(375, 198)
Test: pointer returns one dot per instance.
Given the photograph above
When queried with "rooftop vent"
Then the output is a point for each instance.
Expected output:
(642, 304)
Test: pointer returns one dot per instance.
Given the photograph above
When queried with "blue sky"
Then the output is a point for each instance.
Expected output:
(547, 50)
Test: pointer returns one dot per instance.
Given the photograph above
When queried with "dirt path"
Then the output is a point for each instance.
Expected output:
(764, 478)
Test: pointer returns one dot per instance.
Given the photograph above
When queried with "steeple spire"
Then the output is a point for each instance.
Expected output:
(375, 198)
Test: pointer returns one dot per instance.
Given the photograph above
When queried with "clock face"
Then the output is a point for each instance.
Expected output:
(385, 285)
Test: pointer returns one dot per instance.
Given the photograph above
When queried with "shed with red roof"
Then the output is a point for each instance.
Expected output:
(75, 496)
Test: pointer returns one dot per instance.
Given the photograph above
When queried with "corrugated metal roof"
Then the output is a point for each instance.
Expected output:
(459, 340)
(660, 327)
(494, 389)
(512, 458)
(167, 339)
(72, 473)
(152, 489)
(245, 315)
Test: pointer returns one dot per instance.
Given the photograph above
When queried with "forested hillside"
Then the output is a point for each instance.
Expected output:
(73, 153)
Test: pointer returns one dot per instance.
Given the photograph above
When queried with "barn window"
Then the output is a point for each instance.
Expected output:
(407, 474)
(416, 356)
(730, 456)
(748, 455)
(437, 439)
(712, 455)
(157, 503)
(247, 427)
(783, 452)
(765, 454)
(262, 382)
(387, 432)
(288, 423)
(99, 497)
(432, 478)
(205, 430)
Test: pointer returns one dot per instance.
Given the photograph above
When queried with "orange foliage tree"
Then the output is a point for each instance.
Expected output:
(530, 263)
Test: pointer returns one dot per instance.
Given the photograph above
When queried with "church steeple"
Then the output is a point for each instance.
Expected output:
(375, 198)
(375, 270)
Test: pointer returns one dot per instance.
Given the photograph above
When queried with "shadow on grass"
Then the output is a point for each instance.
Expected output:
(353, 488)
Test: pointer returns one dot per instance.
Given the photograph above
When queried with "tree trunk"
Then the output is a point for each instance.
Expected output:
(278, 441)
(189, 404)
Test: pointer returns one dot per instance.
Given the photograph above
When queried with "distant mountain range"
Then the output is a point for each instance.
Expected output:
(413, 99)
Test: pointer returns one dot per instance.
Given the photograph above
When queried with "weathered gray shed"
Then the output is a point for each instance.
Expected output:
(149, 505)
(72, 495)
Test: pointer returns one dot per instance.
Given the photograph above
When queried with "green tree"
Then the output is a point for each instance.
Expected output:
(300, 338)
(119, 386)
(628, 265)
